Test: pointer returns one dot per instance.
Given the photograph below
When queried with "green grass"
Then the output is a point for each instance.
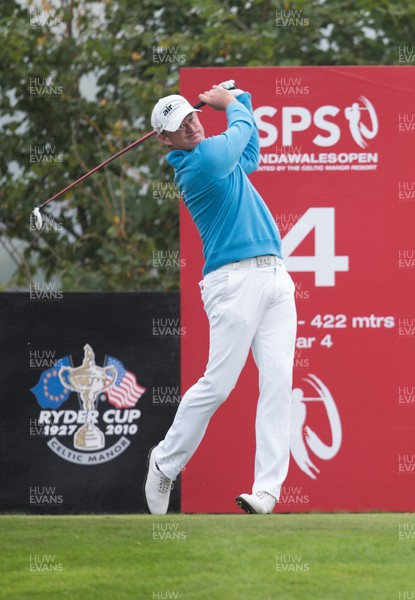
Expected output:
(223, 557)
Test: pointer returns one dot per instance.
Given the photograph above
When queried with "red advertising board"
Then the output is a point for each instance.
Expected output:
(337, 172)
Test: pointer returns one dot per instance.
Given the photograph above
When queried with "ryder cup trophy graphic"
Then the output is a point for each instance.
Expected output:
(89, 381)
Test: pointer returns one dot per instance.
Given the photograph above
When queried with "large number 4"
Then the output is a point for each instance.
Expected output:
(325, 264)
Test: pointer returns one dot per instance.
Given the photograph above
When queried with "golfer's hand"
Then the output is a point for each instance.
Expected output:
(217, 97)
(230, 85)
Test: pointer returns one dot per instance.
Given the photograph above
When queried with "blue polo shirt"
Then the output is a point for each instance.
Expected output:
(233, 220)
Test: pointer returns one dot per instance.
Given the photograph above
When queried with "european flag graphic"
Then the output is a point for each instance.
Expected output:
(49, 392)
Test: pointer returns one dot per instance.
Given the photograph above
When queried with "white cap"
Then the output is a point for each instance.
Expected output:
(169, 112)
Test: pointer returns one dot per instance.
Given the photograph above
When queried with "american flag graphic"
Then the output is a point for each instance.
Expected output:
(125, 391)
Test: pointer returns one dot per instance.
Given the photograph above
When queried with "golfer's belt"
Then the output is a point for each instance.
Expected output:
(268, 260)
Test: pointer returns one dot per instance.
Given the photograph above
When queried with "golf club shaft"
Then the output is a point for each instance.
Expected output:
(106, 162)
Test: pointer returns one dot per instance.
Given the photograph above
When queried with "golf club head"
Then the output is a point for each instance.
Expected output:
(36, 218)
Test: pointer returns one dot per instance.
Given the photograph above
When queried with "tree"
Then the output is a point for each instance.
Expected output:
(107, 233)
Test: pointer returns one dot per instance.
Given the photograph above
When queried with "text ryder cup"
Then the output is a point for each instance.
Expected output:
(54, 417)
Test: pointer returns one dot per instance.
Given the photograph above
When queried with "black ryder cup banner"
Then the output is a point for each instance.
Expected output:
(90, 382)
(336, 169)
(110, 383)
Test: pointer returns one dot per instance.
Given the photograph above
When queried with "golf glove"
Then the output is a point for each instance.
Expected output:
(230, 86)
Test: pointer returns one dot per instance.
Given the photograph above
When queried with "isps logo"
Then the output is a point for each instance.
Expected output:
(80, 433)
(358, 121)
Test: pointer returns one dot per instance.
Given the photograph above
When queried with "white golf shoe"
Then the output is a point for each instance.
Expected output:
(157, 488)
(260, 503)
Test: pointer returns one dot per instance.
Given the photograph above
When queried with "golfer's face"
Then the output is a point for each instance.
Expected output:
(187, 137)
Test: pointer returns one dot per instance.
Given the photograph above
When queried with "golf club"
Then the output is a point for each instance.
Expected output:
(36, 216)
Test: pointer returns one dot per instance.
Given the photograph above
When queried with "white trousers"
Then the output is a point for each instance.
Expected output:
(248, 308)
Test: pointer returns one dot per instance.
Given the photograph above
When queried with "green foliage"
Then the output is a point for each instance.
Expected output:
(102, 234)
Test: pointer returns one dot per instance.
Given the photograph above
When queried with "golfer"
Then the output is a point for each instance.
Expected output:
(247, 293)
